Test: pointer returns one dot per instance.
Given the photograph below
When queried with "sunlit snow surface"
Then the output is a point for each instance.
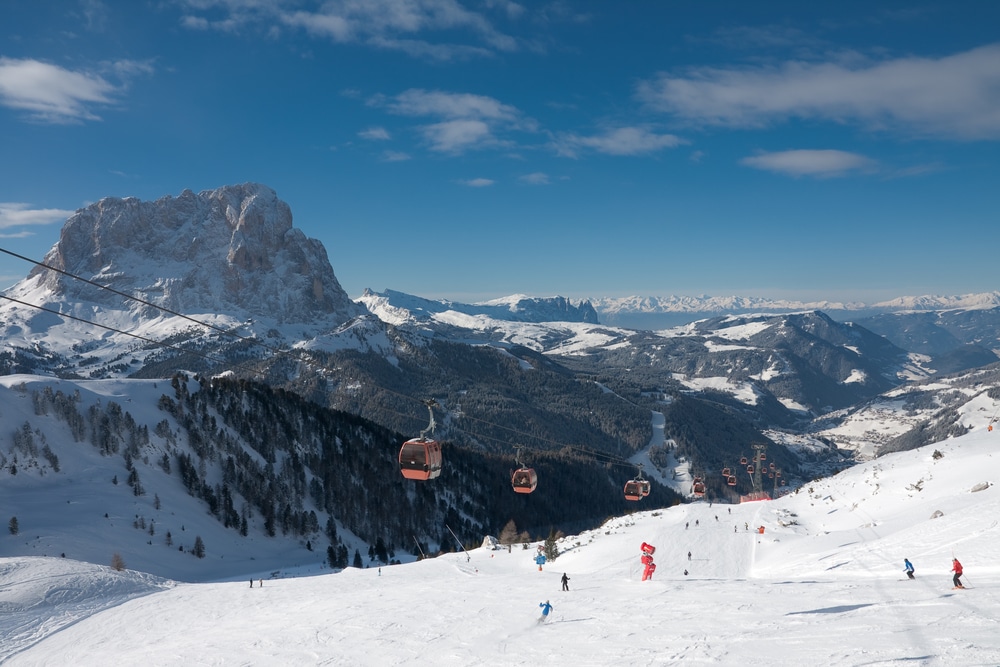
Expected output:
(823, 585)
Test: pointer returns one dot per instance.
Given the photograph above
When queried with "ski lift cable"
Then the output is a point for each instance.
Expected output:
(228, 332)
(103, 326)
(602, 457)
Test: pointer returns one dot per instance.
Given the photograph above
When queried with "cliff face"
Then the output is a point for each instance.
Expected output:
(232, 249)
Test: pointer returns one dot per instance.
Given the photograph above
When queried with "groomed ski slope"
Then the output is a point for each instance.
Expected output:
(823, 585)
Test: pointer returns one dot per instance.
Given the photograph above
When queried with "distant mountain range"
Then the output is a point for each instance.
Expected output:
(660, 312)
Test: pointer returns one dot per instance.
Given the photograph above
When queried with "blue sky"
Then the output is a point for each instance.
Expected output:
(475, 149)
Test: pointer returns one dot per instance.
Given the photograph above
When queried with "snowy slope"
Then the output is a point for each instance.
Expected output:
(823, 585)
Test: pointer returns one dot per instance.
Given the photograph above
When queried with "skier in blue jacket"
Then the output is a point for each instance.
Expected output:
(908, 568)
(546, 608)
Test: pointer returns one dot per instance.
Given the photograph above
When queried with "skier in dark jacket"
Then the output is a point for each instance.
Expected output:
(565, 582)
(909, 568)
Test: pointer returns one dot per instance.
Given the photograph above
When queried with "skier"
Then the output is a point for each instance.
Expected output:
(689, 555)
(956, 567)
(546, 608)
(565, 582)
(909, 568)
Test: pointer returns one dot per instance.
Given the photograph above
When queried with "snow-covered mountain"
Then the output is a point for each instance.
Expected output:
(658, 312)
(737, 304)
(224, 264)
(552, 324)
(232, 249)
(399, 308)
(813, 578)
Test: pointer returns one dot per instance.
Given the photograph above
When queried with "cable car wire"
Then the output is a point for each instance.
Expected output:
(103, 326)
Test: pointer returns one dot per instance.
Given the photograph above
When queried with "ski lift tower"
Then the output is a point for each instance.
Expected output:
(758, 493)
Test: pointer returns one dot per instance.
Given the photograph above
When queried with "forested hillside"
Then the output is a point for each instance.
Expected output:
(266, 461)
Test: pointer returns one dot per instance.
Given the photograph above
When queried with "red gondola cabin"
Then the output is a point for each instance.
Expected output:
(420, 459)
(524, 480)
(633, 489)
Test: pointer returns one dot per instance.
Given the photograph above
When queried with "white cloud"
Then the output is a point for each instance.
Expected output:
(401, 25)
(617, 141)
(955, 96)
(821, 163)
(478, 182)
(374, 133)
(537, 178)
(13, 214)
(51, 93)
(395, 156)
(467, 121)
(455, 136)
(417, 102)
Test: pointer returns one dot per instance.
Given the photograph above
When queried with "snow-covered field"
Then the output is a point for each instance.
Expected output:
(823, 585)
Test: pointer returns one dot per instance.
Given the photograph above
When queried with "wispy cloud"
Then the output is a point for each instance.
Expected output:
(537, 178)
(818, 163)
(374, 134)
(408, 26)
(50, 93)
(395, 156)
(466, 121)
(418, 102)
(53, 94)
(478, 182)
(13, 214)
(956, 96)
(616, 141)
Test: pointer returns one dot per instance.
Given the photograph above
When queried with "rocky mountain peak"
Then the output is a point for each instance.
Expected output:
(231, 249)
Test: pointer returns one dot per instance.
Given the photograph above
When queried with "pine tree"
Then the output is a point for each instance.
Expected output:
(357, 559)
(117, 562)
(12, 526)
(551, 548)
(509, 533)
(199, 547)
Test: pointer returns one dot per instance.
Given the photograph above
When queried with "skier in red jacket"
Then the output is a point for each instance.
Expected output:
(956, 567)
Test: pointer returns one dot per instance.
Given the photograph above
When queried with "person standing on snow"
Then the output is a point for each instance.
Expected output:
(546, 608)
(909, 568)
(956, 567)
(565, 582)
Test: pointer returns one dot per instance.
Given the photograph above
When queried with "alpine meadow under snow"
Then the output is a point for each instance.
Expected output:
(822, 584)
